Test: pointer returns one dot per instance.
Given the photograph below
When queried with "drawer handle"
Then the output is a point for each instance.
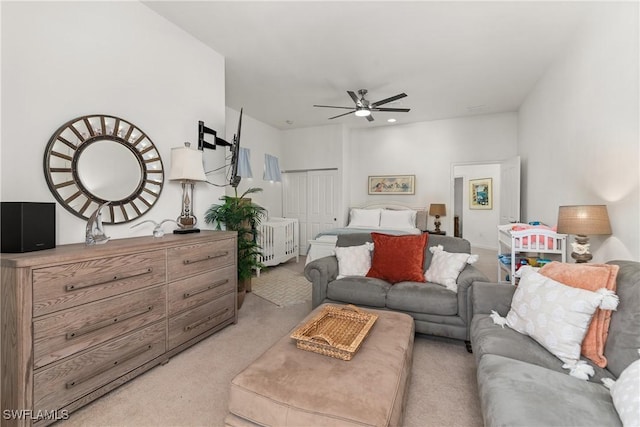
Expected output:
(201, 290)
(104, 368)
(207, 258)
(205, 320)
(108, 322)
(102, 281)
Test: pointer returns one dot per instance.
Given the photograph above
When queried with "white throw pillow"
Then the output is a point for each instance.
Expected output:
(354, 260)
(445, 267)
(393, 219)
(556, 316)
(364, 218)
(625, 393)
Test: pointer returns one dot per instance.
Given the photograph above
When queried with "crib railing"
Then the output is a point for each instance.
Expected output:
(278, 241)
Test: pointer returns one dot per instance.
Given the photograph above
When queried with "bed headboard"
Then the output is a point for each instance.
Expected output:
(422, 214)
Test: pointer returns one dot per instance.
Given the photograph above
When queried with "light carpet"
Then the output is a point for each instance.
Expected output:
(282, 286)
(193, 388)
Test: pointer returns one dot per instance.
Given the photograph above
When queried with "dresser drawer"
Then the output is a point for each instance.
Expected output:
(197, 258)
(66, 332)
(61, 384)
(69, 285)
(194, 322)
(196, 290)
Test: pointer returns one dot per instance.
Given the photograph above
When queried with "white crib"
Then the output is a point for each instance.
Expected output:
(278, 240)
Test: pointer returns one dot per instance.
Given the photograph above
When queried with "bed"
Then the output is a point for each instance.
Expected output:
(389, 219)
(516, 241)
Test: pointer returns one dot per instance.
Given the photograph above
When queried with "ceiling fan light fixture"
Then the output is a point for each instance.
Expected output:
(362, 112)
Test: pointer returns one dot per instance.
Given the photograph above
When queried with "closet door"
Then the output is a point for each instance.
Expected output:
(294, 199)
(313, 198)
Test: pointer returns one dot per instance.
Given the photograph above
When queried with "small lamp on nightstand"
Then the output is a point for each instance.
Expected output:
(437, 210)
(581, 221)
(186, 167)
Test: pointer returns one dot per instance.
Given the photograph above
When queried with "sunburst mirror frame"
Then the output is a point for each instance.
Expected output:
(61, 164)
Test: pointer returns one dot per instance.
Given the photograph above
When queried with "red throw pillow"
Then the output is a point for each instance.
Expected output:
(398, 258)
(590, 277)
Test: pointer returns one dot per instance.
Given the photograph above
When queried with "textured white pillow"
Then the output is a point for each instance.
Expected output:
(556, 316)
(397, 219)
(354, 260)
(445, 267)
(625, 393)
(364, 218)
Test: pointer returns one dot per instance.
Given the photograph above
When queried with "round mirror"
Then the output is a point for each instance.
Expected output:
(101, 159)
(96, 159)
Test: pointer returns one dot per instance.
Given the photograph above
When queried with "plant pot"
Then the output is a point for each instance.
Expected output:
(247, 285)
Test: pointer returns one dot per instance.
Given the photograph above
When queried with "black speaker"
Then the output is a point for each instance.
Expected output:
(27, 226)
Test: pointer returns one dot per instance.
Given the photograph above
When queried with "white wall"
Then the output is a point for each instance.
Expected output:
(578, 132)
(261, 139)
(62, 60)
(428, 150)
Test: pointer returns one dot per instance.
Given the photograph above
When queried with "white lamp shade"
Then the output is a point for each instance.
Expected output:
(186, 164)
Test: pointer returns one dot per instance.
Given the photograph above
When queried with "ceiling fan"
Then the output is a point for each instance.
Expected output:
(363, 107)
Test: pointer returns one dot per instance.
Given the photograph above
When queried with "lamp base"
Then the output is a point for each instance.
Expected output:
(437, 223)
(186, 230)
(581, 249)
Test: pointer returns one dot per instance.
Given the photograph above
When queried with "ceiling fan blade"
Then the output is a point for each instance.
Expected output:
(353, 96)
(333, 106)
(398, 110)
(340, 115)
(393, 98)
(370, 117)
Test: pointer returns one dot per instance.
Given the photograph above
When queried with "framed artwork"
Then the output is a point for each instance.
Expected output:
(480, 193)
(392, 184)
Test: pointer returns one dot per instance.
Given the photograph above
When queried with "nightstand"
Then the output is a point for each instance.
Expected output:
(441, 232)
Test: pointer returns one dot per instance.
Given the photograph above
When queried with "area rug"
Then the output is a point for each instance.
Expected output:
(281, 286)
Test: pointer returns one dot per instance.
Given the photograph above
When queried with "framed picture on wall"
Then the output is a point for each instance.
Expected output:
(392, 184)
(480, 193)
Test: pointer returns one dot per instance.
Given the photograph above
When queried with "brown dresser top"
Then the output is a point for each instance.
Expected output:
(80, 251)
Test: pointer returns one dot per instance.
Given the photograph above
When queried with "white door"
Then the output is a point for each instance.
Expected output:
(322, 201)
(510, 191)
(311, 197)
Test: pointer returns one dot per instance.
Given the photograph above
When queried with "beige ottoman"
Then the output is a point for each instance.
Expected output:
(287, 386)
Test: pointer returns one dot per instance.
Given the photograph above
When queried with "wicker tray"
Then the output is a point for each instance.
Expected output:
(337, 331)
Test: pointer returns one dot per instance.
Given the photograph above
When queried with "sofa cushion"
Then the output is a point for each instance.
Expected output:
(515, 393)
(398, 258)
(556, 315)
(449, 244)
(591, 277)
(446, 267)
(354, 260)
(359, 290)
(625, 393)
(491, 339)
(422, 298)
(624, 336)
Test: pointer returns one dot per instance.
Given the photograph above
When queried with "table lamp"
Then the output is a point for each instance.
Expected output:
(437, 210)
(581, 221)
(186, 167)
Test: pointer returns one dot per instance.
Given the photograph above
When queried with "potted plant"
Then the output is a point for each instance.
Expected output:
(239, 213)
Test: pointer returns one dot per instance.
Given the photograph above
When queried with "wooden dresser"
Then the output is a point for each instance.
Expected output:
(78, 321)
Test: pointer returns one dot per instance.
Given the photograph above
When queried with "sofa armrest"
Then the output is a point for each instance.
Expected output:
(491, 296)
(320, 272)
(465, 279)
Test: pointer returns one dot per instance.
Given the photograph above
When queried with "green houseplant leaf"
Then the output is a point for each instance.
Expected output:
(238, 213)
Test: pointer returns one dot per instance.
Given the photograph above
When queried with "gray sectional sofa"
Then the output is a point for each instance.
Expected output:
(435, 309)
(521, 383)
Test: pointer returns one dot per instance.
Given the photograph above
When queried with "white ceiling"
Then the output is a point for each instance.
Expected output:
(451, 58)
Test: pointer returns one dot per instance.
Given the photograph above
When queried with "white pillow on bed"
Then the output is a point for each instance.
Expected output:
(397, 219)
(364, 218)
